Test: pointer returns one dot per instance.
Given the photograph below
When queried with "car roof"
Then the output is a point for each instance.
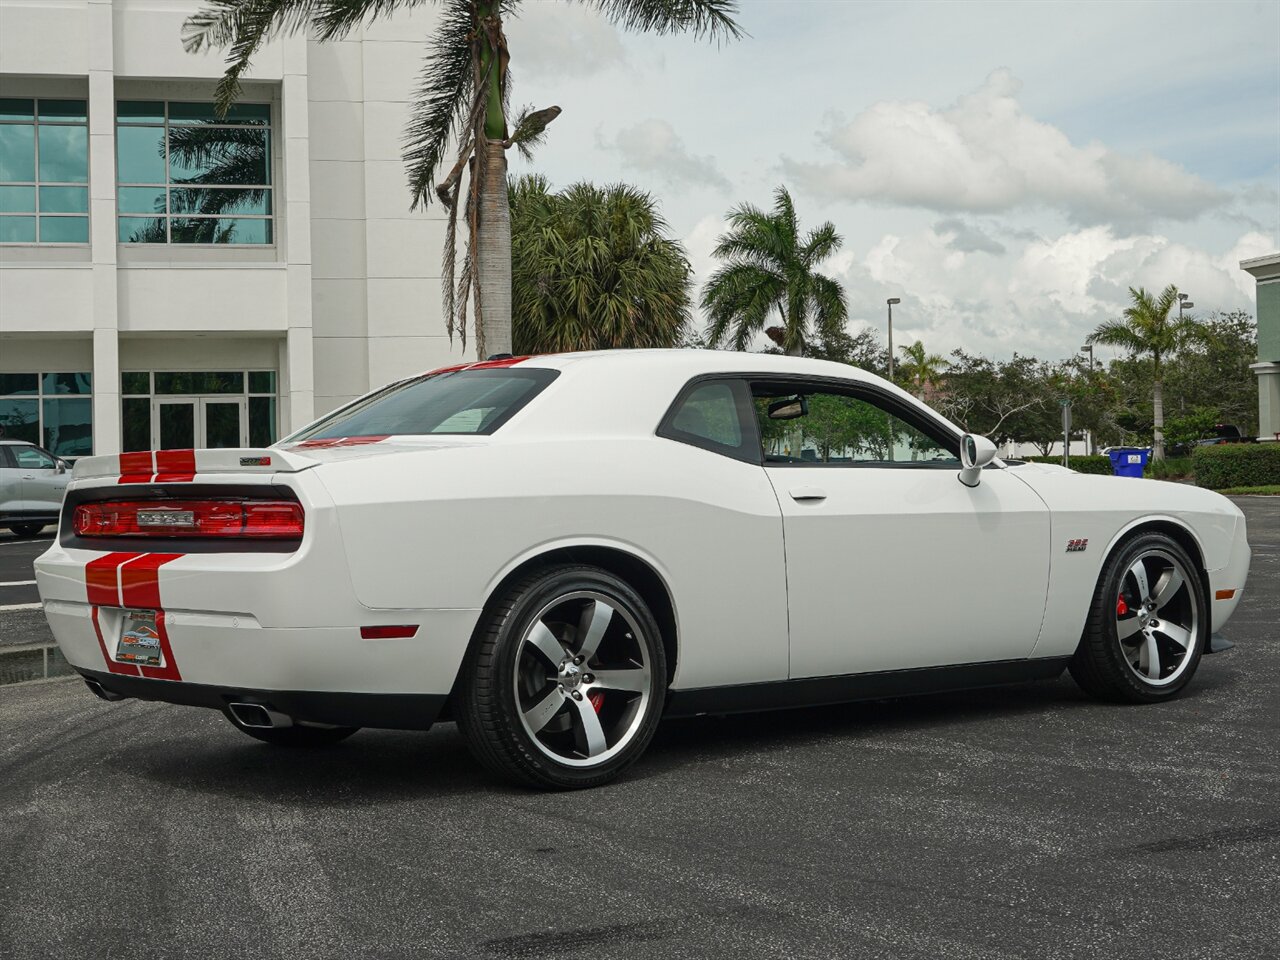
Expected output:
(687, 361)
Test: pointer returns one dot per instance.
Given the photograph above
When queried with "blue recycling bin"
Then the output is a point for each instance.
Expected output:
(1128, 461)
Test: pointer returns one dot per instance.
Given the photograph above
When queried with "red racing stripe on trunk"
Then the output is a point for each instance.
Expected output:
(140, 580)
(170, 669)
(126, 669)
(175, 466)
(136, 467)
(101, 578)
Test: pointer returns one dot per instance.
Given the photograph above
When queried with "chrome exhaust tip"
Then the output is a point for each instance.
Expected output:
(101, 692)
(257, 717)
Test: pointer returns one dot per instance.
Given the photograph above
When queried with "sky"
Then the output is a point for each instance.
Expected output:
(1007, 169)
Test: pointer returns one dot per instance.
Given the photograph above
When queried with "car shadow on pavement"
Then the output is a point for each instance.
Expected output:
(372, 766)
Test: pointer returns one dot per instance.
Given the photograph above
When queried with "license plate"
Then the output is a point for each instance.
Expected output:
(139, 639)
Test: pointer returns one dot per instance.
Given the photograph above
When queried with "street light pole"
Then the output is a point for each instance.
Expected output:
(1088, 348)
(890, 302)
(1183, 302)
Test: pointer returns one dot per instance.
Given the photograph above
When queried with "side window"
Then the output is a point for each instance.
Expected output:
(6, 458)
(29, 458)
(803, 423)
(714, 415)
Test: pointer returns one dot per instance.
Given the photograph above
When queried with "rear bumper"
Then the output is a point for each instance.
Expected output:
(237, 652)
(395, 711)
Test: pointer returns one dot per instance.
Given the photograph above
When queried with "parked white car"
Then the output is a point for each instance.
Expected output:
(32, 482)
(558, 551)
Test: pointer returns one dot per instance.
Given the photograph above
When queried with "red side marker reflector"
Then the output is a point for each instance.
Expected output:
(1224, 594)
(388, 633)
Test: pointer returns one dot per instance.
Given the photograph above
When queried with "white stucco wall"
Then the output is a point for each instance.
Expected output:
(345, 299)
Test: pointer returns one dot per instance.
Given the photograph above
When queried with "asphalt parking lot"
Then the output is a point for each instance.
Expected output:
(1021, 822)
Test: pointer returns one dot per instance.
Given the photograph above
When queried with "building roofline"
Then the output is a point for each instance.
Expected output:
(1262, 267)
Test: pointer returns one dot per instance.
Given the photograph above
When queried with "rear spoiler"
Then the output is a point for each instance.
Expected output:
(176, 466)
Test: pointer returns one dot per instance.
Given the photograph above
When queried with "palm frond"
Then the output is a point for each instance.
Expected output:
(713, 19)
(1117, 333)
(243, 26)
(530, 129)
(445, 103)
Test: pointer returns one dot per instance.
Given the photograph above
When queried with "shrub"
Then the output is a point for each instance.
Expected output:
(1237, 465)
(1171, 468)
(1082, 464)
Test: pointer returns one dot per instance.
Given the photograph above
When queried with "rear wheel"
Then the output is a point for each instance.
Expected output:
(566, 682)
(297, 735)
(26, 529)
(1147, 625)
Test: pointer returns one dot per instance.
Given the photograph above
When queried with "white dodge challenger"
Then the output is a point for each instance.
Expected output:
(557, 552)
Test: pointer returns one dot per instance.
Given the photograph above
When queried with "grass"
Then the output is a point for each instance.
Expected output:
(1268, 490)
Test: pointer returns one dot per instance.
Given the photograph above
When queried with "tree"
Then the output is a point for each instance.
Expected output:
(770, 267)
(1214, 373)
(1148, 330)
(920, 370)
(593, 268)
(463, 99)
(1001, 400)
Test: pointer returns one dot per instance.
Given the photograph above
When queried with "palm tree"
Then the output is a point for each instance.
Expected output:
(463, 99)
(1148, 329)
(920, 370)
(592, 268)
(771, 268)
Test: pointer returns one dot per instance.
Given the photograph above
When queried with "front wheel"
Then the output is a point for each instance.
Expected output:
(298, 735)
(1147, 625)
(566, 681)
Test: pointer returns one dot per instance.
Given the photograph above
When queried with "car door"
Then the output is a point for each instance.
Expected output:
(43, 482)
(10, 482)
(892, 563)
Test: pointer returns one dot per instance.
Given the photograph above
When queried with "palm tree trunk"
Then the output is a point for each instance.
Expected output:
(493, 253)
(1158, 404)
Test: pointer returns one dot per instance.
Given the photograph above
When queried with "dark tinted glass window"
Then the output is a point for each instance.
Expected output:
(715, 415)
(465, 401)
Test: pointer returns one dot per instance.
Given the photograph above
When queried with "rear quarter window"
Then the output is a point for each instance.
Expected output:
(457, 402)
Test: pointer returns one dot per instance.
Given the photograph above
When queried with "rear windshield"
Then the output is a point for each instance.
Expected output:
(461, 401)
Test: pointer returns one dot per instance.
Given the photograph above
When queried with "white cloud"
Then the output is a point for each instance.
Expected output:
(654, 148)
(560, 40)
(983, 154)
(1043, 297)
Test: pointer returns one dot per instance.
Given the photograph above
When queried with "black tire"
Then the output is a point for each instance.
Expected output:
(25, 529)
(1099, 665)
(488, 694)
(298, 735)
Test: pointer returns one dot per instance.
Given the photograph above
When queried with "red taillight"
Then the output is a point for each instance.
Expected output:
(258, 519)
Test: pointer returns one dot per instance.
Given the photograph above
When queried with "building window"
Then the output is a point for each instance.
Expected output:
(185, 175)
(52, 410)
(205, 399)
(44, 171)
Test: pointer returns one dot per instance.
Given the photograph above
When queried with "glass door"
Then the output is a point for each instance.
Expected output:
(173, 424)
(185, 423)
(224, 422)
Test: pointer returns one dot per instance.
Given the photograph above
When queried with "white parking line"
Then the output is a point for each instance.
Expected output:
(17, 583)
(23, 543)
(20, 606)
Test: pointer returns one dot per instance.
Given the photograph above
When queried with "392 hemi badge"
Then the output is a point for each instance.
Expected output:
(255, 461)
(1077, 546)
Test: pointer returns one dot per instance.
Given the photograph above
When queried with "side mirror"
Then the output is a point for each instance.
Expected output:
(788, 408)
(62, 466)
(975, 453)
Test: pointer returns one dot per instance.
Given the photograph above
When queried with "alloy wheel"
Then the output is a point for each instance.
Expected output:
(583, 679)
(1157, 618)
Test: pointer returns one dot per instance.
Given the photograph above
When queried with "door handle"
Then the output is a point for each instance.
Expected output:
(27, 476)
(807, 494)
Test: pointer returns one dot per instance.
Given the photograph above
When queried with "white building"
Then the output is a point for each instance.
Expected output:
(169, 280)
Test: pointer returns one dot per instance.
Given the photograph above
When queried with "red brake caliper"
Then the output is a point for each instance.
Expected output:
(597, 699)
(1121, 607)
